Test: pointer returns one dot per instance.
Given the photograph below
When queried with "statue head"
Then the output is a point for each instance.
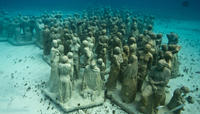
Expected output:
(93, 64)
(55, 43)
(64, 59)
(159, 35)
(177, 92)
(126, 49)
(100, 61)
(117, 50)
(104, 31)
(162, 64)
(132, 40)
(164, 47)
(61, 48)
(147, 47)
(85, 43)
(70, 55)
(168, 55)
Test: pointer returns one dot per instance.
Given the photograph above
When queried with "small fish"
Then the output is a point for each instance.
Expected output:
(159, 107)
(185, 3)
(175, 109)
(198, 72)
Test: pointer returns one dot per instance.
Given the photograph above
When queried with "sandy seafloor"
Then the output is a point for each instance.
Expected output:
(22, 70)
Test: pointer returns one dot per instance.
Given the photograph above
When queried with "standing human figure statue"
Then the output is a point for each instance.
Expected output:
(102, 67)
(71, 61)
(54, 76)
(129, 83)
(145, 59)
(46, 40)
(92, 82)
(75, 49)
(87, 54)
(153, 93)
(115, 69)
(65, 84)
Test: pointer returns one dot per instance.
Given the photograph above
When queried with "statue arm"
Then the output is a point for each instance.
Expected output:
(153, 82)
(150, 61)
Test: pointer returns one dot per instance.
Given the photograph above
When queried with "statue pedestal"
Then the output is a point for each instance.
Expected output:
(77, 101)
(46, 58)
(37, 43)
(131, 108)
(3, 38)
(20, 43)
(114, 96)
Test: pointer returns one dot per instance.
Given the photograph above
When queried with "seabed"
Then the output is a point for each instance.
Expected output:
(40, 72)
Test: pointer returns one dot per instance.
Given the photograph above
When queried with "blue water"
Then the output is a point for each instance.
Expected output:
(168, 8)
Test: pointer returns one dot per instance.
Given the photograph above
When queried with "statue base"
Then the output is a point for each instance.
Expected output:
(38, 44)
(131, 108)
(20, 43)
(77, 101)
(2, 38)
(46, 58)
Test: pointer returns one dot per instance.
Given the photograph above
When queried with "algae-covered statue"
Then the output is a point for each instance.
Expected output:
(46, 40)
(145, 59)
(102, 67)
(172, 38)
(153, 93)
(129, 83)
(177, 100)
(85, 48)
(115, 69)
(124, 64)
(174, 49)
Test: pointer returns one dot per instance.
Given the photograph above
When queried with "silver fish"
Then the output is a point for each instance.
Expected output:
(175, 109)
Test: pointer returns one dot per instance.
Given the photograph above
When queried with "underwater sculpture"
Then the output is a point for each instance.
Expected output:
(129, 83)
(22, 31)
(177, 100)
(145, 59)
(153, 93)
(54, 76)
(65, 84)
(102, 46)
(172, 38)
(114, 53)
(46, 40)
(115, 69)
(87, 54)
(39, 26)
(92, 82)
(75, 49)
(7, 26)
(174, 48)
(124, 64)
(102, 68)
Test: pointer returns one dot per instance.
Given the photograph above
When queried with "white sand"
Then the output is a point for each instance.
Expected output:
(24, 64)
